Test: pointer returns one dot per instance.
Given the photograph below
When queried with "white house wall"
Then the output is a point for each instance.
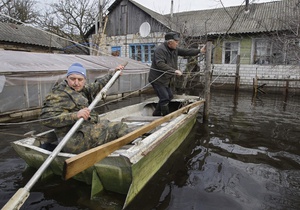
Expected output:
(249, 72)
(125, 41)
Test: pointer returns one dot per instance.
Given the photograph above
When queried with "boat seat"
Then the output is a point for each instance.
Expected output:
(140, 118)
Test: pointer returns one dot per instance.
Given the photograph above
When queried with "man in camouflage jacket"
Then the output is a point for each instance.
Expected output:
(68, 102)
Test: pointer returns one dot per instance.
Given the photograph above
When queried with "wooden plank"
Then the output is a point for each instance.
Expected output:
(82, 161)
(278, 80)
(140, 119)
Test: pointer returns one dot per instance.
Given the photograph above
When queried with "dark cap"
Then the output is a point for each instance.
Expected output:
(172, 35)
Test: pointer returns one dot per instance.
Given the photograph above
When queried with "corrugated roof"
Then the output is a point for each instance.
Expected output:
(18, 62)
(27, 35)
(263, 17)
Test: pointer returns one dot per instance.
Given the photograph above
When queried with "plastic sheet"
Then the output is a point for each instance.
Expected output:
(26, 78)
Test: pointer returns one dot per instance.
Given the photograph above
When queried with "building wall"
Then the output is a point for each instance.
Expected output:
(26, 48)
(126, 18)
(245, 49)
(106, 43)
(249, 72)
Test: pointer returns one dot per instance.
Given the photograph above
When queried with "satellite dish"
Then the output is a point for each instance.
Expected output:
(145, 29)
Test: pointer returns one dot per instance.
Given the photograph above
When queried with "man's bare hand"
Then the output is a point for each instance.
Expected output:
(119, 67)
(84, 113)
(203, 49)
(178, 72)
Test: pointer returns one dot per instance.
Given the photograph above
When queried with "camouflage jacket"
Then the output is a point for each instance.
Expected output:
(62, 104)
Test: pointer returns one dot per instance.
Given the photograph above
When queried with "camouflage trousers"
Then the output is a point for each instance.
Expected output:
(93, 135)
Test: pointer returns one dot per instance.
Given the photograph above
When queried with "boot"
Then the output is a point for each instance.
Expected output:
(165, 110)
(157, 111)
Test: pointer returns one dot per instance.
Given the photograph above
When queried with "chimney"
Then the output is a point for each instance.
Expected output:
(247, 6)
(171, 12)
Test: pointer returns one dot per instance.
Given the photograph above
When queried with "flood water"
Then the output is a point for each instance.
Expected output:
(247, 156)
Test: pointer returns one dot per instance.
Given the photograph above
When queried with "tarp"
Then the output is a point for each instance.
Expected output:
(26, 78)
(16, 61)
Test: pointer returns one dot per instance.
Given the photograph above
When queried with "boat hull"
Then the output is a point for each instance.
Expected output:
(156, 156)
(128, 169)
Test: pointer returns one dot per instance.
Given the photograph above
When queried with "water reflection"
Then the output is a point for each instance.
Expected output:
(247, 156)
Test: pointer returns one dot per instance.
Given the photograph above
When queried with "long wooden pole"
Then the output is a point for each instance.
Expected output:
(237, 73)
(82, 161)
(22, 194)
(207, 82)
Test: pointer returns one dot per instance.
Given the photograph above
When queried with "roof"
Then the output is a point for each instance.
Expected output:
(24, 62)
(27, 35)
(263, 17)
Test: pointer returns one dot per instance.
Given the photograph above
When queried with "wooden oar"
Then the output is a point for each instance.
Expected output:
(82, 161)
(22, 194)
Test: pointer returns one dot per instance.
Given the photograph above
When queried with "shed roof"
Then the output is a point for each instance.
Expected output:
(27, 35)
(23, 62)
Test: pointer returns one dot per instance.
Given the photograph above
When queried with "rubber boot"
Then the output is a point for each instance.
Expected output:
(157, 111)
(165, 110)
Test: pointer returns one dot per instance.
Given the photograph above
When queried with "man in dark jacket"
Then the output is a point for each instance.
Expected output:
(68, 102)
(164, 67)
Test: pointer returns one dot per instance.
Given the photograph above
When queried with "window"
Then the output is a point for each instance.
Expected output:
(231, 51)
(116, 51)
(141, 52)
(262, 51)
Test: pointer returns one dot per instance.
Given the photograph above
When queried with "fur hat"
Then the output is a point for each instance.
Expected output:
(76, 68)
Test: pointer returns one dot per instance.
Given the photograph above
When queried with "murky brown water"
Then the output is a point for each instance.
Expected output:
(246, 157)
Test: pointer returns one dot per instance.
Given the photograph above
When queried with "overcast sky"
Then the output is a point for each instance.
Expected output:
(164, 6)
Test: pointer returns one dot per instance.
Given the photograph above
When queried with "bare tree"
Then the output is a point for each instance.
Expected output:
(72, 19)
(19, 11)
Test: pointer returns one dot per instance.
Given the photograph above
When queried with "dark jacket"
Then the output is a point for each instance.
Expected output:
(165, 63)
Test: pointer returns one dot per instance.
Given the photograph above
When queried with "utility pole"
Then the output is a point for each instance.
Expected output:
(247, 6)
(207, 82)
(99, 17)
(171, 12)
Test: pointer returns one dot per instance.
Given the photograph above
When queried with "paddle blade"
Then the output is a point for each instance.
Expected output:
(17, 200)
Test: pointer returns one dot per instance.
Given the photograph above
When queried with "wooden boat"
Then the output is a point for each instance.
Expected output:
(128, 169)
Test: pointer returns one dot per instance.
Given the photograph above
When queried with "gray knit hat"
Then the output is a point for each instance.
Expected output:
(76, 68)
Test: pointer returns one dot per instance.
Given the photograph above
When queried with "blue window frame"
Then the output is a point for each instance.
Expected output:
(141, 52)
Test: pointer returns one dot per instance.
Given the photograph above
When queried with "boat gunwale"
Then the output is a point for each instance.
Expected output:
(121, 151)
(139, 150)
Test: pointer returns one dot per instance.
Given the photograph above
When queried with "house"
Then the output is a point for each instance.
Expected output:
(121, 31)
(26, 38)
(264, 36)
(261, 33)
(29, 39)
